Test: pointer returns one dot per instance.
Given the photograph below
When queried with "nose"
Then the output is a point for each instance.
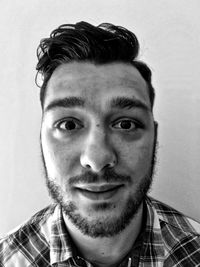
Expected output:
(97, 153)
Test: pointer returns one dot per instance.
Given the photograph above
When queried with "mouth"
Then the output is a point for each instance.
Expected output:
(99, 192)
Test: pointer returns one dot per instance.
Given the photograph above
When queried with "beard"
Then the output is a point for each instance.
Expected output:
(108, 226)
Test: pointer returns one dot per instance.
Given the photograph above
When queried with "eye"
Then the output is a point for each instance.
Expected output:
(69, 125)
(126, 124)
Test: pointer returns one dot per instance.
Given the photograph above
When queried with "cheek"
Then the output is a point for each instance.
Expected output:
(58, 156)
(136, 156)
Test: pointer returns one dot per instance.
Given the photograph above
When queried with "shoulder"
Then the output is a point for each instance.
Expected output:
(173, 218)
(179, 233)
(27, 240)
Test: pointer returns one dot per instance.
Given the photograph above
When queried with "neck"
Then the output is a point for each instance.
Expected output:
(108, 251)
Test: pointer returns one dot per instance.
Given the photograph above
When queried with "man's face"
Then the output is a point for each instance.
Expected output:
(98, 141)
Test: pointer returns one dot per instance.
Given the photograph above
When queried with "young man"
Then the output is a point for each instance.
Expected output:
(98, 144)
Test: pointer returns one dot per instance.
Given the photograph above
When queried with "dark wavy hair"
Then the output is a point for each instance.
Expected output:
(82, 41)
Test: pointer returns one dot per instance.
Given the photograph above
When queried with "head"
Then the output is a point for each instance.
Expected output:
(82, 41)
(98, 134)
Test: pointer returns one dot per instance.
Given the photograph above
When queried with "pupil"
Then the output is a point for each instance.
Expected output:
(70, 125)
(126, 124)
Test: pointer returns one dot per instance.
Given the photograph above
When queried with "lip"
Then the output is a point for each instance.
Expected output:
(99, 192)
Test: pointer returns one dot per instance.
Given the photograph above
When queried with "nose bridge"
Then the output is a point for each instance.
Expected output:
(97, 151)
(98, 143)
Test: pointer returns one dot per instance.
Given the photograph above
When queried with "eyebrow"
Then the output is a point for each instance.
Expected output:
(128, 103)
(117, 102)
(67, 102)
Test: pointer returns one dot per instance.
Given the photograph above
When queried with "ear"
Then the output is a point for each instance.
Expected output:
(156, 127)
(155, 131)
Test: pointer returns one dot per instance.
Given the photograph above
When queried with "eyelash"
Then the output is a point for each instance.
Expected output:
(138, 125)
(64, 121)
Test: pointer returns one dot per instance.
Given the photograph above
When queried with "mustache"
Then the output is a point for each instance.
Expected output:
(108, 176)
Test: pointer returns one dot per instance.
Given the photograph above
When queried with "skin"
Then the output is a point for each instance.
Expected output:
(99, 136)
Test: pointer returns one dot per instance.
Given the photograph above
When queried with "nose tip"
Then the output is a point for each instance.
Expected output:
(96, 160)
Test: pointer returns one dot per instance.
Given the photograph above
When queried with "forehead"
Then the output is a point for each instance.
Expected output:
(96, 83)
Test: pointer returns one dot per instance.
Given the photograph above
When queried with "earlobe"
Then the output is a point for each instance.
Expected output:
(155, 135)
(156, 129)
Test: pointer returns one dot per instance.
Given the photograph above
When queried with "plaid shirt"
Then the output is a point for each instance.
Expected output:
(168, 239)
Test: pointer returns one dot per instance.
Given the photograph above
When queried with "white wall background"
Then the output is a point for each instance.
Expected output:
(169, 33)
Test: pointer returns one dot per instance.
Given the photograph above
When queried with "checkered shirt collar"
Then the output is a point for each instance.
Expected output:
(61, 248)
(153, 245)
(60, 243)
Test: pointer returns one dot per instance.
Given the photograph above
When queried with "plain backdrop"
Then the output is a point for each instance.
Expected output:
(169, 34)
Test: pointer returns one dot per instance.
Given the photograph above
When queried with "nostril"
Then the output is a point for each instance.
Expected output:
(87, 166)
(112, 164)
(108, 166)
